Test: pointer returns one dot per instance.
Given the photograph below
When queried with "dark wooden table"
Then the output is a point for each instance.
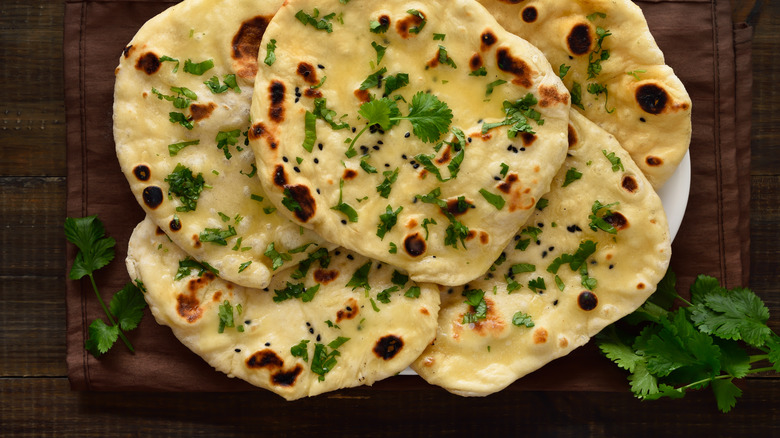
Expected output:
(35, 397)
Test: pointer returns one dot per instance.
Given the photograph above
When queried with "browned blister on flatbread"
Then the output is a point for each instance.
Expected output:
(615, 71)
(592, 255)
(442, 205)
(338, 320)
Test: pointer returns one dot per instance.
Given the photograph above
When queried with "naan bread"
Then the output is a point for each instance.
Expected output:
(382, 196)
(525, 329)
(645, 107)
(385, 333)
(230, 203)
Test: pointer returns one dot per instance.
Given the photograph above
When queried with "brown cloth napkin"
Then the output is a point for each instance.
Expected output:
(710, 56)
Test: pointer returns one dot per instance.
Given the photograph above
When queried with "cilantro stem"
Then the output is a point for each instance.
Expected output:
(354, 140)
(108, 314)
(758, 357)
(761, 370)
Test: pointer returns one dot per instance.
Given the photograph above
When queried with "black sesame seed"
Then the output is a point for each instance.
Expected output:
(387, 164)
(415, 165)
(380, 142)
(522, 149)
(316, 161)
(403, 156)
(552, 248)
(375, 147)
(267, 344)
(344, 222)
(311, 330)
(318, 191)
(497, 178)
(405, 135)
(320, 66)
(319, 146)
(353, 130)
(285, 159)
(468, 139)
(237, 350)
(555, 303)
(308, 324)
(540, 224)
(611, 266)
(642, 119)
(350, 257)
(297, 99)
(544, 254)
(319, 338)
(296, 169)
(247, 322)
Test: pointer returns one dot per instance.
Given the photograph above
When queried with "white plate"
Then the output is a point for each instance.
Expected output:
(674, 194)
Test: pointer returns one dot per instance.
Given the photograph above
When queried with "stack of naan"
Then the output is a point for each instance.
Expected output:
(337, 190)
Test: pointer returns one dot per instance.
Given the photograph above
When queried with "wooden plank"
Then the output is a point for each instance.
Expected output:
(32, 110)
(765, 242)
(766, 93)
(46, 406)
(32, 341)
(32, 215)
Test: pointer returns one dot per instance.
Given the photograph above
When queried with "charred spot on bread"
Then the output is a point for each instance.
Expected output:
(572, 133)
(280, 177)
(200, 111)
(475, 61)
(307, 72)
(276, 93)
(302, 195)
(617, 220)
(629, 184)
(325, 276)
(246, 44)
(265, 358)
(152, 196)
(387, 347)
(529, 14)
(653, 161)
(579, 39)
(516, 66)
(414, 245)
(651, 98)
(127, 50)
(405, 24)
(148, 63)
(142, 172)
(587, 300)
(487, 39)
(349, 311)
(188, 307)
(175, 224)
(286, 377)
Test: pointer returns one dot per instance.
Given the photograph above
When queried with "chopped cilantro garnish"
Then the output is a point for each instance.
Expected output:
(185, 186)
(175, 148)
(343, 207)
(492, 85)
(418, 14)
(438, 36)
(277, 258)
(295, 290)
(225, 139)
(394, 82)
(181, 119)
(476, 299)
(537, 284)
(517, 115)
(522, 319)
(494, 200)
(596, 217)
(596, 89)
(301, 349)
(562, 70)
(520, 268)
(380, 51)
(617, 165)
(360, 278)
(270, 53)
(374, 79)
(635, 74)
(542, 203)
(377, 27)
(387, 221)
(384, 296)
(576, 95)
(225, 316)
(444, 58)
(188, 264)
(322, 360)
(384, 188)
(571, 175)
(598, 54)
(184, 96)
(289, 202)
(479, 72)
(217, 235)
(427, 221)
(399, 278)
(312, 20)
(310, 131)
(166, 58)
(576, 260)
(198, 68)
(413, 292)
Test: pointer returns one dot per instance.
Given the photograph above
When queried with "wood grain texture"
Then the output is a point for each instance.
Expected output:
(32, 116)
(48, 404)
(35, 398)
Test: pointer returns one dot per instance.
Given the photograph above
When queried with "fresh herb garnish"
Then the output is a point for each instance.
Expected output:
(188, 264)
(198, 68)
(384, 188)
(374, 79)
(277, 258)
(217, 235)
(225, 139)
(166, 58)
(185, 186)
(418, 14)
(321, 111)
(617, 165)
(598, 54)
(576, 260)
(537, 284)
(343, 207)
(444, 58)
(571, 175)
(668, 353)
(322, 360)
(295, 290)
(635, 74)
(377, 27)
(175, 148)
(270, 53)
(520, 268)
(95, 252)
(522, 319)
(533, 234)
(181, 119)
(387, 221)
(312, 20)
(360, 278)
(380, 51)
(428, 221)
(517, 115)
(394, 82)
(562, 70)
(309, 131)
(413, 292)
(301, 349)
(492, 85)
(494, 200)
(598, 212)
(596, 89)
(225, 313)
(476, 299)
(184, 96)
(576, 95)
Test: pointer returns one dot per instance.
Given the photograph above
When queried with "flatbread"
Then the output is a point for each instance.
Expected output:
(231, 202)
(350, 194)
(259, 347)
(646, 107)
(523, 330)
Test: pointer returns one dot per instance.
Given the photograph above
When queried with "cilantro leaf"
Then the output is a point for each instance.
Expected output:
(198, 68)
(301, 350)
(387, 221)
(101, 337)
(617, 165)
(384, 188)
(419, 27)
(95, 249)
(360, 278)
(277, 258)
(270, 53)
(312, 20)
(430, 117)
(522, 319)
(127, 305)
(185, 186)
(726, 394)
(343, 207)
(571, 175)
(735, 314)
(494, 200)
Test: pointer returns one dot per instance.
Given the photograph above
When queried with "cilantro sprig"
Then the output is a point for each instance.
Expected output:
(669, 352)
(429, 116)
(125, 309)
